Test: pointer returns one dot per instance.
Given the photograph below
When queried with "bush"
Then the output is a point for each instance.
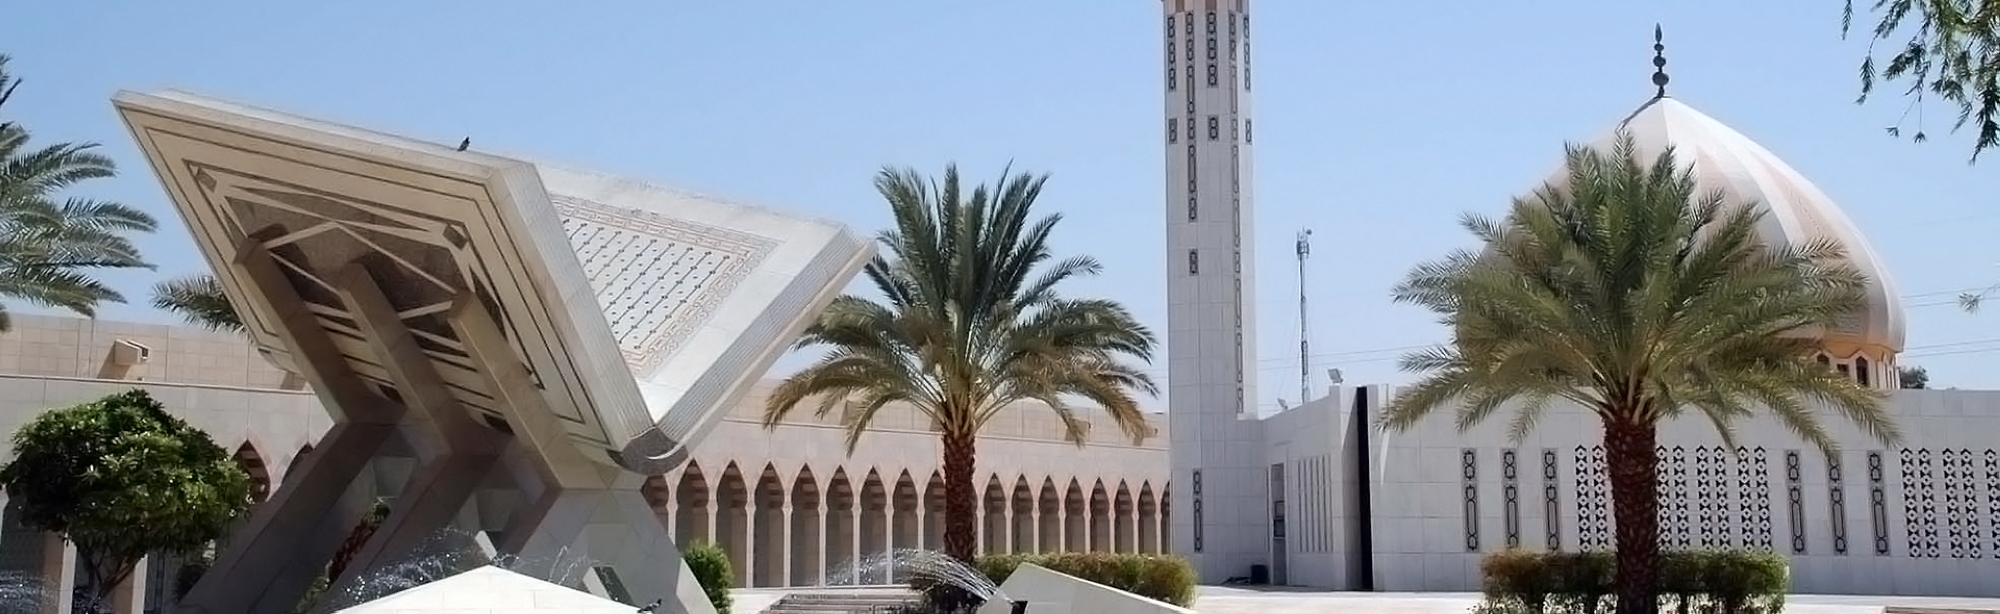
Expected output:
(710, 566)
(1165, 578)
(1724, 582)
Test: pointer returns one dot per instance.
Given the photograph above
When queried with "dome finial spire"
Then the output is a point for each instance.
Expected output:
(1659, 62)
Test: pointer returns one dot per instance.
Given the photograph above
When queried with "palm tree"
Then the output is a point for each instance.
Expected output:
(1623, 291)
(200, 300)
(972, 323)
(48, 244)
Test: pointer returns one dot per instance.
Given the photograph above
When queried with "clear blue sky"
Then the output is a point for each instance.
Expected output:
(1380, 121)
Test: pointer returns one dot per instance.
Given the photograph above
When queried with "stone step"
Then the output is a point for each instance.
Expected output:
(841, 602)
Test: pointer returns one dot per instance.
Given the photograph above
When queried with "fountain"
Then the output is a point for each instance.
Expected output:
(945, 584)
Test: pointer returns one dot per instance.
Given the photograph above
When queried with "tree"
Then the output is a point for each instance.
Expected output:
(200, 300)
(1951, 51)
(120, 478)
(1913, 378)
(972, 323)
(1622, 290)
(48, 244)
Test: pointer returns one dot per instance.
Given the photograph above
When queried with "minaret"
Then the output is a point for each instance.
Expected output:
(1220, 517)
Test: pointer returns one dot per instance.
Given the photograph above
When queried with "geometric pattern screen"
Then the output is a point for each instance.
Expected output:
(1948, 500)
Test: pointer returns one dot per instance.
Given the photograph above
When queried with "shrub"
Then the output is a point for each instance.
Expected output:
(1725, 582)
(1166, 578)
(710, 566)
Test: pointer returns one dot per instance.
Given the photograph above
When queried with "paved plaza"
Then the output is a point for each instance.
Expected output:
(1284, 600)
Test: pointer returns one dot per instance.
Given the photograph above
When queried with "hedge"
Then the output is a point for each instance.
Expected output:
(1165, 578)
(1725, 582)
(710, 566)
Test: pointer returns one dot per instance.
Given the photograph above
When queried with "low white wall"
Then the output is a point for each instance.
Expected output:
(1919, 518)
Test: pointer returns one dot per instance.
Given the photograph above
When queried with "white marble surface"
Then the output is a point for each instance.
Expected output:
(491, 590)
(1229, 600)
(1050, 592)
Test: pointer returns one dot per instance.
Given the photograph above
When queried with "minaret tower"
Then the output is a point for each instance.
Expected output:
(1219, 516)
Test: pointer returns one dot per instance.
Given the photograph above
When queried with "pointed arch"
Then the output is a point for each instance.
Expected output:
(732, 521)
(694, 520)
(294, 463)
(905, 532)
(808, 543)
(1149, 519)
(1049, 532)
(874, 528)
(1021, 514)
(1076, 519)
(934, 511)
(1100, 517)
(993, 516)
(842, 524)
(1124, 526)
(767, 526)
(659, 497)
(252, 463)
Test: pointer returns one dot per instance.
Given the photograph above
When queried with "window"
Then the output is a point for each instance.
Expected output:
(1824, 362)
(1234, 129)
(1194, 262)
(1238, 255)
(1190, 136)
(1173, 129)
(1172, 57)
(1190, 98)
(1193, 209)
(1211, 75)
(1214, 128)
(1190, 26)
(1861, 375)
(1246, 131)
(1843, 369)
(1173, 78)
(1211, 22)
(1211, 48)
(1170, 26)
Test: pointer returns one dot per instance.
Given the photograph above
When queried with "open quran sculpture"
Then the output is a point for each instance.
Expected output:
(530, 342)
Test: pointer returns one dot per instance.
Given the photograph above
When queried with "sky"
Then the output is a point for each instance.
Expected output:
(1379, 123)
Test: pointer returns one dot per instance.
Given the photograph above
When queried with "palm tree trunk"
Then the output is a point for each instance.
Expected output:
(961, 503)
(1631, 454)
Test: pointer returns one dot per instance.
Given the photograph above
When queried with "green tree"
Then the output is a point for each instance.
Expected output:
(1949, 49)
(200, 300)
(1622, 290)
(120, 478)
(1913, 378)
(972, 322)
(49, 245)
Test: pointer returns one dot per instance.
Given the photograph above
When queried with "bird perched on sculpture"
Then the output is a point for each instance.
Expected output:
(465, 143)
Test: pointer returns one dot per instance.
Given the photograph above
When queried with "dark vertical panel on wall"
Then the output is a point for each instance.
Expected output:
(1361, 573)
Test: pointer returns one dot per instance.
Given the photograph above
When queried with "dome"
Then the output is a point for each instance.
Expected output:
(1795, 210)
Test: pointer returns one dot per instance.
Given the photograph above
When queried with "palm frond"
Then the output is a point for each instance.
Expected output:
(200, 300)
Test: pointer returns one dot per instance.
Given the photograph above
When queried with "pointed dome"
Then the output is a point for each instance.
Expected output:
(1795, 211)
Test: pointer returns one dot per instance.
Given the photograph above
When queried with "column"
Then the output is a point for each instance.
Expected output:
(58, 574)
(752, 541)
(854, 542)
(1035, 527)
(130, 596)
(1006, 529)
(708, 512)
(785, 553)
(822, 509)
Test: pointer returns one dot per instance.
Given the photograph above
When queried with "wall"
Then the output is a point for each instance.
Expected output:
(1922, 517)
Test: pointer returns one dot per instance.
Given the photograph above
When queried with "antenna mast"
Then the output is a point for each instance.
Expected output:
(1305, 352)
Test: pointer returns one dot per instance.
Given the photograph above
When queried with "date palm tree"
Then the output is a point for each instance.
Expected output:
(200, 300)
(1622, 290)
(49, 244)
(970, 322)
